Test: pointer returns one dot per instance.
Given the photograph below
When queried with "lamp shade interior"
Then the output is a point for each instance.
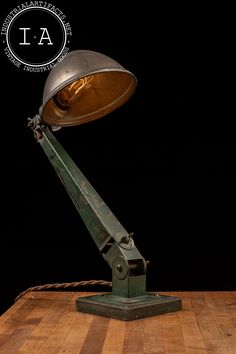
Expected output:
(85, 86)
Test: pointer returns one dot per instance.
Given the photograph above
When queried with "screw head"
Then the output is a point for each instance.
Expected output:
(119, 268)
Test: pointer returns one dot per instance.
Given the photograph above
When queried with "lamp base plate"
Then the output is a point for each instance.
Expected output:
(128, 308)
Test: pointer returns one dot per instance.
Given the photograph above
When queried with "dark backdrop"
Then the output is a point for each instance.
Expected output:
(164, 162)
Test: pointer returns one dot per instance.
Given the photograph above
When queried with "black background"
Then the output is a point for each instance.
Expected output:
(164, 162)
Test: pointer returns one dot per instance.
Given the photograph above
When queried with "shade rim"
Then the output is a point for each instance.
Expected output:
(95, 114)
(78, 77)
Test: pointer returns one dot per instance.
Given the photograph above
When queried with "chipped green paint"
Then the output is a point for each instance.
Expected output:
(129, 299)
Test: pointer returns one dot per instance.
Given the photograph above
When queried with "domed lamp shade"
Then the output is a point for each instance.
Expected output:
(85, 86)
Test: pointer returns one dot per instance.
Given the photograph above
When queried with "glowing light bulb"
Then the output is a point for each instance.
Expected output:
(64, 98)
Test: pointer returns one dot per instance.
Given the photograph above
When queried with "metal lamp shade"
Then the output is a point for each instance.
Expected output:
(85, 86)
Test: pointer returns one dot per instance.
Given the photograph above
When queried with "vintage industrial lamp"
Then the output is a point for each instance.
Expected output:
(85, 86)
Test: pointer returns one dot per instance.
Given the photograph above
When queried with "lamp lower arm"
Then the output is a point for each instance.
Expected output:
(129, 299)
(115, 244)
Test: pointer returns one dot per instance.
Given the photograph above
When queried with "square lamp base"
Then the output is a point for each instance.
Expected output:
(128, 308)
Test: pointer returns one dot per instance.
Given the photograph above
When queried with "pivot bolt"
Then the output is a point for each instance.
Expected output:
(119, 268)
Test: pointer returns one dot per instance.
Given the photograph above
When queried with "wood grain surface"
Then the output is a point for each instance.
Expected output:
(46, 322)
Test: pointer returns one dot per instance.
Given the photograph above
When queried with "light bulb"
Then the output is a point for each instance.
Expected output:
(64, 98)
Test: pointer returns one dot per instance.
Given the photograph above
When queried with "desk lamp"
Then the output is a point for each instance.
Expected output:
(85, 86)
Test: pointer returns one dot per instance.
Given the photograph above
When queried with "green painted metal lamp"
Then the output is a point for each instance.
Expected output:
(85, 86)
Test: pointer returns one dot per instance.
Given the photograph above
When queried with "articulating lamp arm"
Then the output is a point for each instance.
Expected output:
(113, 241)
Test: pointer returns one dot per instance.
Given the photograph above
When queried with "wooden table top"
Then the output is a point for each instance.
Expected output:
(46, 322)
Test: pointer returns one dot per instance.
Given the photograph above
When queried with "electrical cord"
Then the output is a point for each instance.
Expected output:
(64, 286)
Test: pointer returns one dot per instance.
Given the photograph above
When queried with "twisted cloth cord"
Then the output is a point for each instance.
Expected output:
(64, 286)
